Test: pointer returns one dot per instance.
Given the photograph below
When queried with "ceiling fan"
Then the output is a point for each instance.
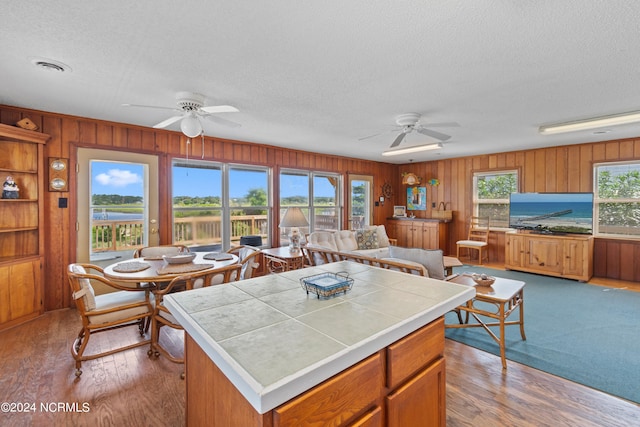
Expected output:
(191, 107)
(408, 123)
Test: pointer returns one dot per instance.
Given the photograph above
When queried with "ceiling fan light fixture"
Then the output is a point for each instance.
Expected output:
(190, 126)
(414, 149)
(596, 122)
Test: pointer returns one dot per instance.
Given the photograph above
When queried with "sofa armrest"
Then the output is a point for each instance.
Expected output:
(393, 242)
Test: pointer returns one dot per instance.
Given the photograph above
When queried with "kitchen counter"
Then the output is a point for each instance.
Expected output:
(273, 341)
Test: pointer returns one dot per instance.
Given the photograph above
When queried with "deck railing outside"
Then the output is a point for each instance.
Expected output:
(129, 234)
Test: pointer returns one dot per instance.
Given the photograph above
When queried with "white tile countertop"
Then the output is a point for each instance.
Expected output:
(274, 341)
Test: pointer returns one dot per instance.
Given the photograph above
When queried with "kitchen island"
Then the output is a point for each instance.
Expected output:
(263, 352)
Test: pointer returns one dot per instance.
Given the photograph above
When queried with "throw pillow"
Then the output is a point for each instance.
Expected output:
(432, 259)
(367, 239)
(383, 239)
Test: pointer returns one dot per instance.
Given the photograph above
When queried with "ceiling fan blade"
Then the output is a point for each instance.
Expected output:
(169, 121)
(221, 121)
(399, 139)
(441, 125)
(369, 136)
(219, 109)
(434, 134)
(150, 106)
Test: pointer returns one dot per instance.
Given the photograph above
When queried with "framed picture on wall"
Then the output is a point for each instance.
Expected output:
(399, 211)
(417, 198)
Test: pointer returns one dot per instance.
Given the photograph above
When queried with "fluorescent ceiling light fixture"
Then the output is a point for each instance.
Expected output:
(596, 122)
(414, 149)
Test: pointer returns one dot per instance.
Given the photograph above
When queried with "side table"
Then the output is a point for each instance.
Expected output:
(278, 260)
(497, 302)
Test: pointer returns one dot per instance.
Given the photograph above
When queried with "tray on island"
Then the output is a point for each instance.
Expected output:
(327, 285)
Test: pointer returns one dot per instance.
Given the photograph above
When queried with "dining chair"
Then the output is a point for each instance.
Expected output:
(126, 306)
(248, 257)
(477, 239)
(158, 251)
(163, 317)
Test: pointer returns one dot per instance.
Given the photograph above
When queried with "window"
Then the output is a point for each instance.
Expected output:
(249, 203)
(215, 204)
(617, 198)
(491, 191)
(318, 194)
(360, 212)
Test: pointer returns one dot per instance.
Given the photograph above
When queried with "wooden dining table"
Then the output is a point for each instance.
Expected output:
(156, 270)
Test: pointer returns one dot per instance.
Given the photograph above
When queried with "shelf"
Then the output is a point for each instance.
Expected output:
(18, 229)
(14, 171)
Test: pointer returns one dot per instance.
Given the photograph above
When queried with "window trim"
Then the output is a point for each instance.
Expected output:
(597, 200)
(474, 193)
(311, 175)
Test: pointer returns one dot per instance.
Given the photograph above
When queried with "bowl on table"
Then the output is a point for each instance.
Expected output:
(483, 279)
(179, 258)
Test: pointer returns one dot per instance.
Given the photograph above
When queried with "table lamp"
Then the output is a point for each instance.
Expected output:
(294, 218)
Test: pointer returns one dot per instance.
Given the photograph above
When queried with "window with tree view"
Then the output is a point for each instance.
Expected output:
(317, 194)
(617, 198)
(215, 204)
(491, 191)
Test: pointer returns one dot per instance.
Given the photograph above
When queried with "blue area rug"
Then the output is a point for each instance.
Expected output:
(585, 333)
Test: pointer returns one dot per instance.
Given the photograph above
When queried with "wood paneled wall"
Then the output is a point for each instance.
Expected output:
(69, 132)
(553, 169)
(566, 168)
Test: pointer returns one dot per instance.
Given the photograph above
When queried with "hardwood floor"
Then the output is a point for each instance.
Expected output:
(130, 389)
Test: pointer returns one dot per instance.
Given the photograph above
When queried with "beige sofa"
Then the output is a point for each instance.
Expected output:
(371, 242)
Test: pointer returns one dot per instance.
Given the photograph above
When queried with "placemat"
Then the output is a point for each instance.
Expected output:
(182, 268)
(217, 256)
(131, 267)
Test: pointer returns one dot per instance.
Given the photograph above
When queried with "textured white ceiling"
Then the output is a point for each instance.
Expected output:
(318, 76)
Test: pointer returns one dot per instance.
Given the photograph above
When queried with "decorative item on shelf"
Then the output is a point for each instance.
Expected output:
(442, 212)
(410, 178)
(58, 174)
(417, 198)
(10, 189)
(434, 182)
(294, 219)
(400, 211)
(27, 124)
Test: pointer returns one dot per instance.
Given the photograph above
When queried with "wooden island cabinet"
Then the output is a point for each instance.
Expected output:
(568, 256)
(21, 233)
(261, 352)
(395, 387)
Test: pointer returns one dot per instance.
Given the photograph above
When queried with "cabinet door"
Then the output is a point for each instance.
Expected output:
(430, 236)
(421, 401)
(338, 399)
(415, 241)
(544, 255)
(404, 230)
(514, 251)
(372, 418)
(20, 293)
(575, 258)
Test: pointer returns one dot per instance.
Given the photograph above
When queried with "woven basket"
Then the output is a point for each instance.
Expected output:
(442, 212)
